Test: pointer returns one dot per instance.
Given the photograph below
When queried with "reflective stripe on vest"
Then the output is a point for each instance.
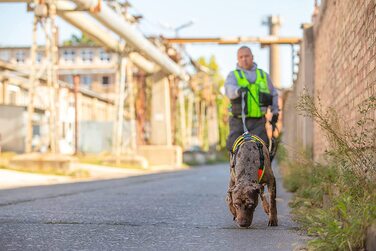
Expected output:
(260, 85)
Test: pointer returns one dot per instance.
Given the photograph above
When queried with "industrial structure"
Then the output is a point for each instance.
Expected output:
(127, 94)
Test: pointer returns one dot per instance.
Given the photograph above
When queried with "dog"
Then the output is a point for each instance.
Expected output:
(245, 185)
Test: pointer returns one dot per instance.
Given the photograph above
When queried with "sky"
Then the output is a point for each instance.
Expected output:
(211, 18)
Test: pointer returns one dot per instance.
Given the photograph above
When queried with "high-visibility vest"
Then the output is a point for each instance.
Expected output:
(258, 94)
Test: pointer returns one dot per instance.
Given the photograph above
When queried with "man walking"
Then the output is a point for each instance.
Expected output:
(259, 95)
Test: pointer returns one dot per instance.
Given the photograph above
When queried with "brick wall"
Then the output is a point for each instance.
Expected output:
(345, 59)
(344, 35)
(298, 130)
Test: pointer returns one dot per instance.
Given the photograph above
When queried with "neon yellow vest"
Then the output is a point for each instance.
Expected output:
(253, 96)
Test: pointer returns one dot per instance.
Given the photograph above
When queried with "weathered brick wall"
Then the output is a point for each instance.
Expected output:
(298, 130)
(343, 67)
(345, 59)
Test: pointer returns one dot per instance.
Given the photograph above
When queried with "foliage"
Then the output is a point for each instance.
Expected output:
(335, 201)
(353, 148)
(221, 101)
(76, 40)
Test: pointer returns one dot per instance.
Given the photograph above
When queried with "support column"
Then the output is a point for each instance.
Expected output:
(32, 87)
(160, 113)
(213, 127)
(182, 115)
(76, 82)
(132, 113)
(190, 119)
(118, 124)
(274, 23)
(3, 97)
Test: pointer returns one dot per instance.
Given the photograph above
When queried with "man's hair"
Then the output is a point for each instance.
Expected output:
(245, 47)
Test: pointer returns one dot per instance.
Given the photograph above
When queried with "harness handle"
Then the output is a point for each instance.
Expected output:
(243, 114)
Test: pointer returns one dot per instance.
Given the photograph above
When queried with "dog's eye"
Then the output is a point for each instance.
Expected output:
(237, 205)
(251, 205)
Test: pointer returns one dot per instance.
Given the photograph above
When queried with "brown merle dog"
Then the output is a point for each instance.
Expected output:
(245, 186)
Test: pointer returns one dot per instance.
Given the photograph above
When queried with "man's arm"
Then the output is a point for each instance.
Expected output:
(231, 86)
(274, 93)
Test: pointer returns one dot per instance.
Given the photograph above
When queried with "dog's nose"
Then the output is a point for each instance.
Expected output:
(244, 224)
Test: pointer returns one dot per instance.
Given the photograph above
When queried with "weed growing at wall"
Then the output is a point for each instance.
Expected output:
(335, 200)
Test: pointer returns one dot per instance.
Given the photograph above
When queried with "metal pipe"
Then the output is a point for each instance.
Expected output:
(234, 40)
(102, 36)
(117, 24)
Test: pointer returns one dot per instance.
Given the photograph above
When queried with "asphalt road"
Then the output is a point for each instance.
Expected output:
(183, 210)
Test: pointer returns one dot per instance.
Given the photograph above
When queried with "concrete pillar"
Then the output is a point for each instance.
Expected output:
(131, 101)
(274, 23)
(160, 113)
(3, 97)
(213, 127)
(190, 120)
(182, 116)
(309, 78)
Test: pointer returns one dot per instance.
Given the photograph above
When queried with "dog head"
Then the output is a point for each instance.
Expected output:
(244, 200)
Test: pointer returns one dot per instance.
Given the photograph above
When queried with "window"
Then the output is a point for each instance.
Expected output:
(69, 79)
(20, 56)
(69, 55)
(86, 80)
(104, 56)
(87, 55)
(105, 80)
(4, 55)
(39, 56)
(36, 130)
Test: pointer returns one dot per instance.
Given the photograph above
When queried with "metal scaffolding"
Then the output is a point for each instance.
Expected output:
(44, 17)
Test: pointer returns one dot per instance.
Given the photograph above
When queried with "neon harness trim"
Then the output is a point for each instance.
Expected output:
(253, 138)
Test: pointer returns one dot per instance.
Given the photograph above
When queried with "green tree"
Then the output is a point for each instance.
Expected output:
(221, 101)
(76, 40)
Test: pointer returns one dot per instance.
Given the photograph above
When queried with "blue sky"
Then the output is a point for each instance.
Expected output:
(212, 18)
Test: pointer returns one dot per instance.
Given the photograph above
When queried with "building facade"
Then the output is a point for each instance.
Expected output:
(95, 107)
(95, 67)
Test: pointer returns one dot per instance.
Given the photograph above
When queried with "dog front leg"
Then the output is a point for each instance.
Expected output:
(272, 188)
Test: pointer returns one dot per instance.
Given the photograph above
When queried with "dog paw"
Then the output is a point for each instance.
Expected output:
(273, 222)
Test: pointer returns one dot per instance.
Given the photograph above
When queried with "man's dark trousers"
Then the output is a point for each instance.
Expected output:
(255, 126)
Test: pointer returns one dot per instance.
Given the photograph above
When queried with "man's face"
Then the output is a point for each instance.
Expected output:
(245, 58)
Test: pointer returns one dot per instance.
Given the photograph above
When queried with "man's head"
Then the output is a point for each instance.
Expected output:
(245, 58)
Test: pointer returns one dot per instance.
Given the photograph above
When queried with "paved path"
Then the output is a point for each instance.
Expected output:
(182, 210)
(15, 179)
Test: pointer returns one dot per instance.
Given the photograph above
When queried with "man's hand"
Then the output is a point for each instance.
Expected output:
(242, 90)
(274, 120)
